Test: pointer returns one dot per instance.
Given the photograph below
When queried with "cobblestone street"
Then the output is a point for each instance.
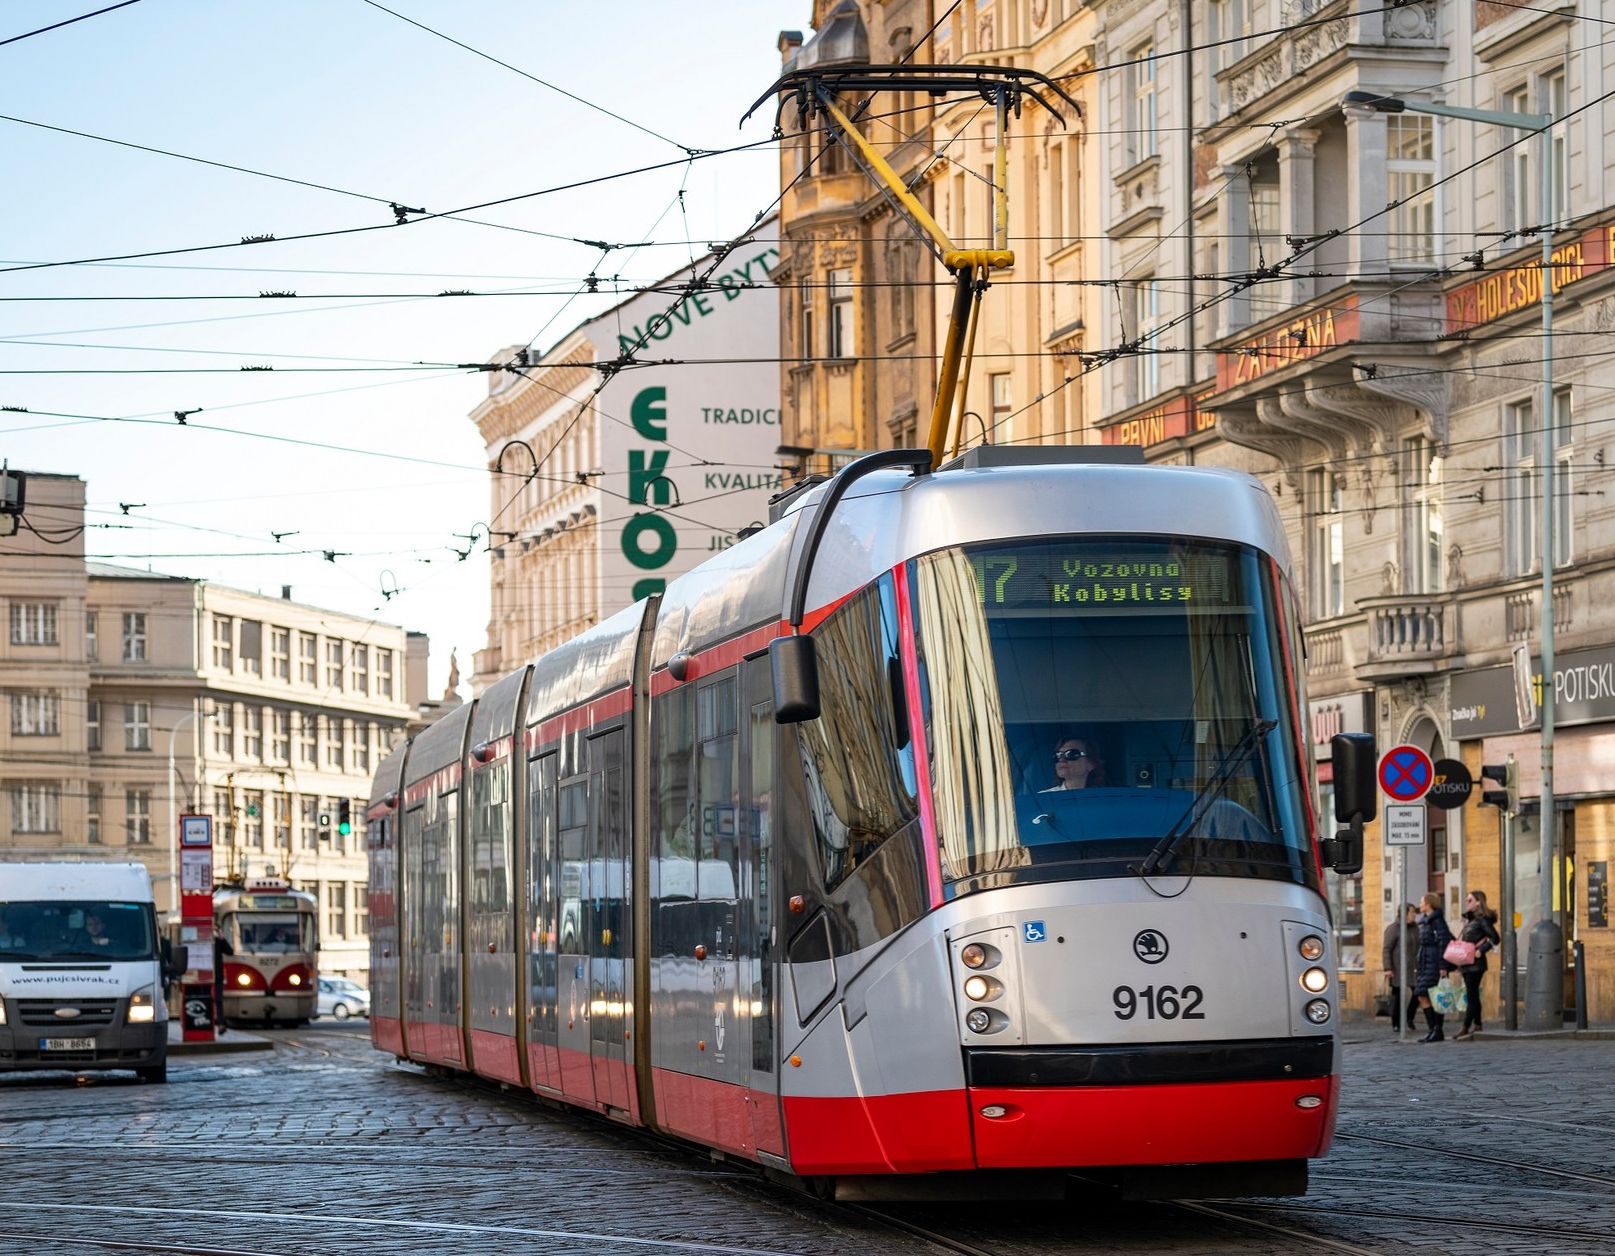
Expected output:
(325, 1145)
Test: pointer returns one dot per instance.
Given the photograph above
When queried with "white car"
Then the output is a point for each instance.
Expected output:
(342, 998)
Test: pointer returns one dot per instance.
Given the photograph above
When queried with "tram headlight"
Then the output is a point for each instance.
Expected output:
(1311, 947)
(296, 979)
(1318, 1011)
(974, 955)
(979, 988)
(978, 1020)
(1315, 981)
(142, 1005)
(243, 979)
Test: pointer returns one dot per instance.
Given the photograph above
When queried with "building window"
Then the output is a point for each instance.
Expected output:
(224, 816)
(333, 745)
(92, 724)
(308, 739)
(137, 816)
(224, 643)
(36, 714)
(361, 669)
(998, 394)
(333, 665)
(252, 647)
(361, 909)
(1425, 531)
(1522, 488)
(92, 814)
(224, 730)
(1564, 519)
(92, 642)
(336, 900)
(137, 726)
(361, 746)
(1326, 566)
(308, 658)
(254, 838)
(252, 734)
(1228, 27)
(1144, 365)
(1410, 150)
(280, 653)
(308, 811)
(1139, 104)
(384, 673)
(134, 636)
(281, 743)
(34, 623)
(841, 331)
(1521, 175)
(36, 807)
(282, 806)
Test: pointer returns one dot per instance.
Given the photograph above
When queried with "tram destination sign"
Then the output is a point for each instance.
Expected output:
(1043, 578)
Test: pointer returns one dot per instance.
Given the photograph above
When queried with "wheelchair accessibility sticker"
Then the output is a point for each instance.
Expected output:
(1033, 931)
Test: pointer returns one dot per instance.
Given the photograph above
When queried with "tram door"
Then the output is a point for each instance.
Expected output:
(719, 1021)
(572, 953)
(756, 1001)
(608, 920)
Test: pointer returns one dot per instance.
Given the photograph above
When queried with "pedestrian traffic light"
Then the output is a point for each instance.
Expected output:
(325, 826)
(1506, 774)
(344, 817)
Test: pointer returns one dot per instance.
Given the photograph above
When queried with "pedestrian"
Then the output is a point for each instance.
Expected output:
(1434, 934)
(1397, 939)
(1480, 928)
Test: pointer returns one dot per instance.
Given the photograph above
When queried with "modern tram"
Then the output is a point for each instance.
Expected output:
(270, 940)
(781, 862)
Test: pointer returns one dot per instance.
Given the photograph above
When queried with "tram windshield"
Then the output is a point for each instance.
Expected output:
(272, 933)
(1098, 706)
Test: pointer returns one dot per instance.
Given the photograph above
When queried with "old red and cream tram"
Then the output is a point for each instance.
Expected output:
(270, 935)
(775, 862)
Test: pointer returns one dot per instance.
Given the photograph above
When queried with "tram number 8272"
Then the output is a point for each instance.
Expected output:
(1160, 1002)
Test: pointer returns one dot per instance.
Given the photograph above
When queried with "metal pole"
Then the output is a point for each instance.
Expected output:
(1511, 959)
(173, 818)
(1402, 991)
(1544, 979)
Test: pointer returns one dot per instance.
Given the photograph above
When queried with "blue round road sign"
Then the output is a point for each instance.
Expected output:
(1405, 773)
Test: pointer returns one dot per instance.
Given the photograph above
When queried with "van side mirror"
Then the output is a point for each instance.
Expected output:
(795, 666)
(1354, 758)
(177, 960)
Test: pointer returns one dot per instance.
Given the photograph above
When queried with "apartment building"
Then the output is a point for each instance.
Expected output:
(135, 697)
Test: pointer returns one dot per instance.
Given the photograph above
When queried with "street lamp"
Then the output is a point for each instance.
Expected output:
(173, 814)
(1544, 989)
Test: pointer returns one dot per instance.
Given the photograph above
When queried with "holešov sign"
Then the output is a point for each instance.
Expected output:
(1519, 287)
(691, 460)
(1583, 693)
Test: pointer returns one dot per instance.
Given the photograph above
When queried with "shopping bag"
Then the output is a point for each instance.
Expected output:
(1459, 953)
(1448, 997)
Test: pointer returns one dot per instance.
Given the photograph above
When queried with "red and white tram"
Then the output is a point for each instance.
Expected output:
(270, 940)
(842, 920)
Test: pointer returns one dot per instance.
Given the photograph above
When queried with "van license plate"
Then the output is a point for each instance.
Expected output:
(67, 1044)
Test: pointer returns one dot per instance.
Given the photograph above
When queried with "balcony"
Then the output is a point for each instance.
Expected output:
(1409, 634)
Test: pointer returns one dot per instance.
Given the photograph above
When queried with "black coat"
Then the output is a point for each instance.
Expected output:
(1433, 938)
(1480, 929)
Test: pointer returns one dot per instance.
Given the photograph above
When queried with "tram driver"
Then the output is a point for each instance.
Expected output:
(1077, 764)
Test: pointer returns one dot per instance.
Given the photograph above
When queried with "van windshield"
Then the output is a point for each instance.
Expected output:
(76, 929)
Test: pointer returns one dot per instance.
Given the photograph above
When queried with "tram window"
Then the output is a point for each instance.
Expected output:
(574, 824)
(718, 856)
(859, 793)
(490, 837)
(541, 887)
(674, 875)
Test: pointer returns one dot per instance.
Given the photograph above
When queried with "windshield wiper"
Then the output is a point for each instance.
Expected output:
(1232, 760)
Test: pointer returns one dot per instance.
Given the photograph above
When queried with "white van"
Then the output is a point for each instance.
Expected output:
(81, 969)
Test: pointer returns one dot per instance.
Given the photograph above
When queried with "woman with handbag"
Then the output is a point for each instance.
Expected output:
(1434, 934)
(1469, 952)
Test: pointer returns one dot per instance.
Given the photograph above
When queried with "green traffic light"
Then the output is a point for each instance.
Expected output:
(344, 828)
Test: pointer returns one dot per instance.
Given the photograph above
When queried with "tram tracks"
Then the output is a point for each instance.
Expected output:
(1493, 1162)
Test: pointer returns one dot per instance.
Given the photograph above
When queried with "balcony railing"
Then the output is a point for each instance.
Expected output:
(1410, 630)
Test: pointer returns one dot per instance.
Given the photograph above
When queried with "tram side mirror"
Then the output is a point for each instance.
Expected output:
(1353, 756)
(795, 666)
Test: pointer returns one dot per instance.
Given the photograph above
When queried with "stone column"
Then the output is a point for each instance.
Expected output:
(1234, 226)
(1296, 200)
(1367, 191)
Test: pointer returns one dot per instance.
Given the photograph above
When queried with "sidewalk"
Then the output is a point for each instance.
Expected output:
(234, 1040)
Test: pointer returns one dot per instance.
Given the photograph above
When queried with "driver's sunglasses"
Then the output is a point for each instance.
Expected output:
(1069, 756)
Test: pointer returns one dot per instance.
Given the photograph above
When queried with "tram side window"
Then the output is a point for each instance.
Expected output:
(718, 855)
(541, 888)
(675, 821)
(857, 755)
(490, 837)
(574, 825)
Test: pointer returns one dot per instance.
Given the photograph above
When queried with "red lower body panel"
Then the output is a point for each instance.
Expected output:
(387, 1033)
(733, 1118)
(434, 1043)
(915, 1133)
(1120, 1125)
(494, 1055)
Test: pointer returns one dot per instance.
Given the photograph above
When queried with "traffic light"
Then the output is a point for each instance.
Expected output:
(344, 817)
(1507, 775)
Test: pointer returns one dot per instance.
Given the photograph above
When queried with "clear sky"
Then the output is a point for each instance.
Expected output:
(344, 94)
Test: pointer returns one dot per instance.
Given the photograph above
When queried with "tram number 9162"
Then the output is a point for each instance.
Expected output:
(1159, 1002)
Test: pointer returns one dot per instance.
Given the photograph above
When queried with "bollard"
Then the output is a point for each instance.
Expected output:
(1545, 977)
(1580, 952)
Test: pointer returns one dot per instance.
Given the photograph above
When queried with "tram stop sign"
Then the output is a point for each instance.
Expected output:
(1406, 773)
(1453, 784)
